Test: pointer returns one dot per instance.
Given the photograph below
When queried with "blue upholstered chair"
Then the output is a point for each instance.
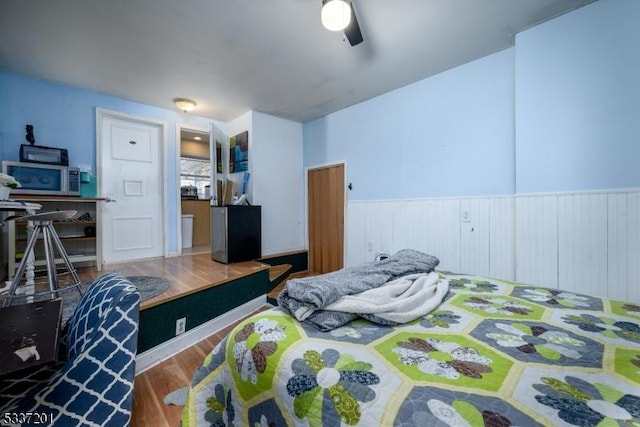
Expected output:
(94, 386)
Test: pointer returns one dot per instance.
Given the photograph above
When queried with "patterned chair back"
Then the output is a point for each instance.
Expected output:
(94, 308)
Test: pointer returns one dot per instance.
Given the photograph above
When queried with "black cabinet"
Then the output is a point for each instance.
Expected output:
(236, 233)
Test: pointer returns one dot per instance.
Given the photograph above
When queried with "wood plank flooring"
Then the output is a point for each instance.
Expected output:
(187, 274)
(153, 385)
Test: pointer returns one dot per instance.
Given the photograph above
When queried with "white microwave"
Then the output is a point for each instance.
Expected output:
(43, 179)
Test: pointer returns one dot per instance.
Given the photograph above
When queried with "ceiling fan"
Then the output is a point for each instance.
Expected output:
(338, 15)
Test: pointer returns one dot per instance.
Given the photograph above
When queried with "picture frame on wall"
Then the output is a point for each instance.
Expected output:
(219, 157)
(239, 152)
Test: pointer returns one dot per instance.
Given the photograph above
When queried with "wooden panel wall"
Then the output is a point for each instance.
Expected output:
(536, 242)
(583, 242)
(623, 246)
(439, 232)
(474, 236)
(501, 237)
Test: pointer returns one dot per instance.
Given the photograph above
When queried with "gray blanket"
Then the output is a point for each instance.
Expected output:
(306, 297)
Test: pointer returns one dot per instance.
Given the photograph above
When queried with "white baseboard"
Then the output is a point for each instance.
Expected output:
(167, 349)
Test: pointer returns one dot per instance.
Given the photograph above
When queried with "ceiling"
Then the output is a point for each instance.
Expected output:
(272, 56)
(191, 135)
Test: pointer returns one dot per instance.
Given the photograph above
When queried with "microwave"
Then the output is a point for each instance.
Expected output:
(43, 179)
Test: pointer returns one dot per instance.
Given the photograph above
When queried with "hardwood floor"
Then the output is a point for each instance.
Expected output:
(153, 385)
(187, 274)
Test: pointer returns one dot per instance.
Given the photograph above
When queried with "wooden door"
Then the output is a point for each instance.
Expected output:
(130, 162)
(325, 192)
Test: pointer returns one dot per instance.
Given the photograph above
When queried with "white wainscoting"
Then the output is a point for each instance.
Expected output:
(582, 242)
(536, 244)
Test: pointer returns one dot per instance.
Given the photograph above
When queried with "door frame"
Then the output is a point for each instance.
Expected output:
(102, 114)
(307, 169)
(212, 181)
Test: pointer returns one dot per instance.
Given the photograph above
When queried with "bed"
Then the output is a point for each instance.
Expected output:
(493, 353)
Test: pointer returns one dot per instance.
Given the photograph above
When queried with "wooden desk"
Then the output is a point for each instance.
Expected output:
(13, 206)
(84, 248)
(29, 334)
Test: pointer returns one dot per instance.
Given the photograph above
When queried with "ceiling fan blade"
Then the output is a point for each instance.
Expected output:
(353, 33)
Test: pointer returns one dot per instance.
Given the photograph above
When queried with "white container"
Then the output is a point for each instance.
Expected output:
(4, 192)
(187, 231)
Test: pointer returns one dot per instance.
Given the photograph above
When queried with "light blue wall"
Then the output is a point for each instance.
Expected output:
(558, 112)
(578, 100)
(278, 181)
(451, 134)
(65, 117)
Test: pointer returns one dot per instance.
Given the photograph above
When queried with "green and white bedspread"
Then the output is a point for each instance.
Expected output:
(494, 353)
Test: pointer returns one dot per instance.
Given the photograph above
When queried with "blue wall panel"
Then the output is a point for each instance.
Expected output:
(577, 100)
(451, 134)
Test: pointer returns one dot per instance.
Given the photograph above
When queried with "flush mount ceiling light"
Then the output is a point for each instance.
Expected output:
(335, 14)
(184, 104)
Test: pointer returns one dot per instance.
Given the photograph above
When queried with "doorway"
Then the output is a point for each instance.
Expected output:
(196, 175)
(130, 153)
(325, 207)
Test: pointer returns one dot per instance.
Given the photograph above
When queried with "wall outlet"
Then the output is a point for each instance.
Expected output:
(181, 325)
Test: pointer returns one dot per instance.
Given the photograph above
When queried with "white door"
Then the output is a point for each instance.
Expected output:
(130, 159)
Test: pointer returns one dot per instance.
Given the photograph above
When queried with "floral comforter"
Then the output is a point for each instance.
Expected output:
(495, 353)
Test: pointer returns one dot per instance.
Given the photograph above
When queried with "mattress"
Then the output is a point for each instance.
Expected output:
(494, 353)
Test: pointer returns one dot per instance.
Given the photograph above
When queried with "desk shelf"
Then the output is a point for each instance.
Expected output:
(83, 246)
(73, 258)
(55, 223)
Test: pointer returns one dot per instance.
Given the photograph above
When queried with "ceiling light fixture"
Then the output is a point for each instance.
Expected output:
(184, 104)
(335, 14)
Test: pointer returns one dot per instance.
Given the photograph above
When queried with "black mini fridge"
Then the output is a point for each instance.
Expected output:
(236, 233)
